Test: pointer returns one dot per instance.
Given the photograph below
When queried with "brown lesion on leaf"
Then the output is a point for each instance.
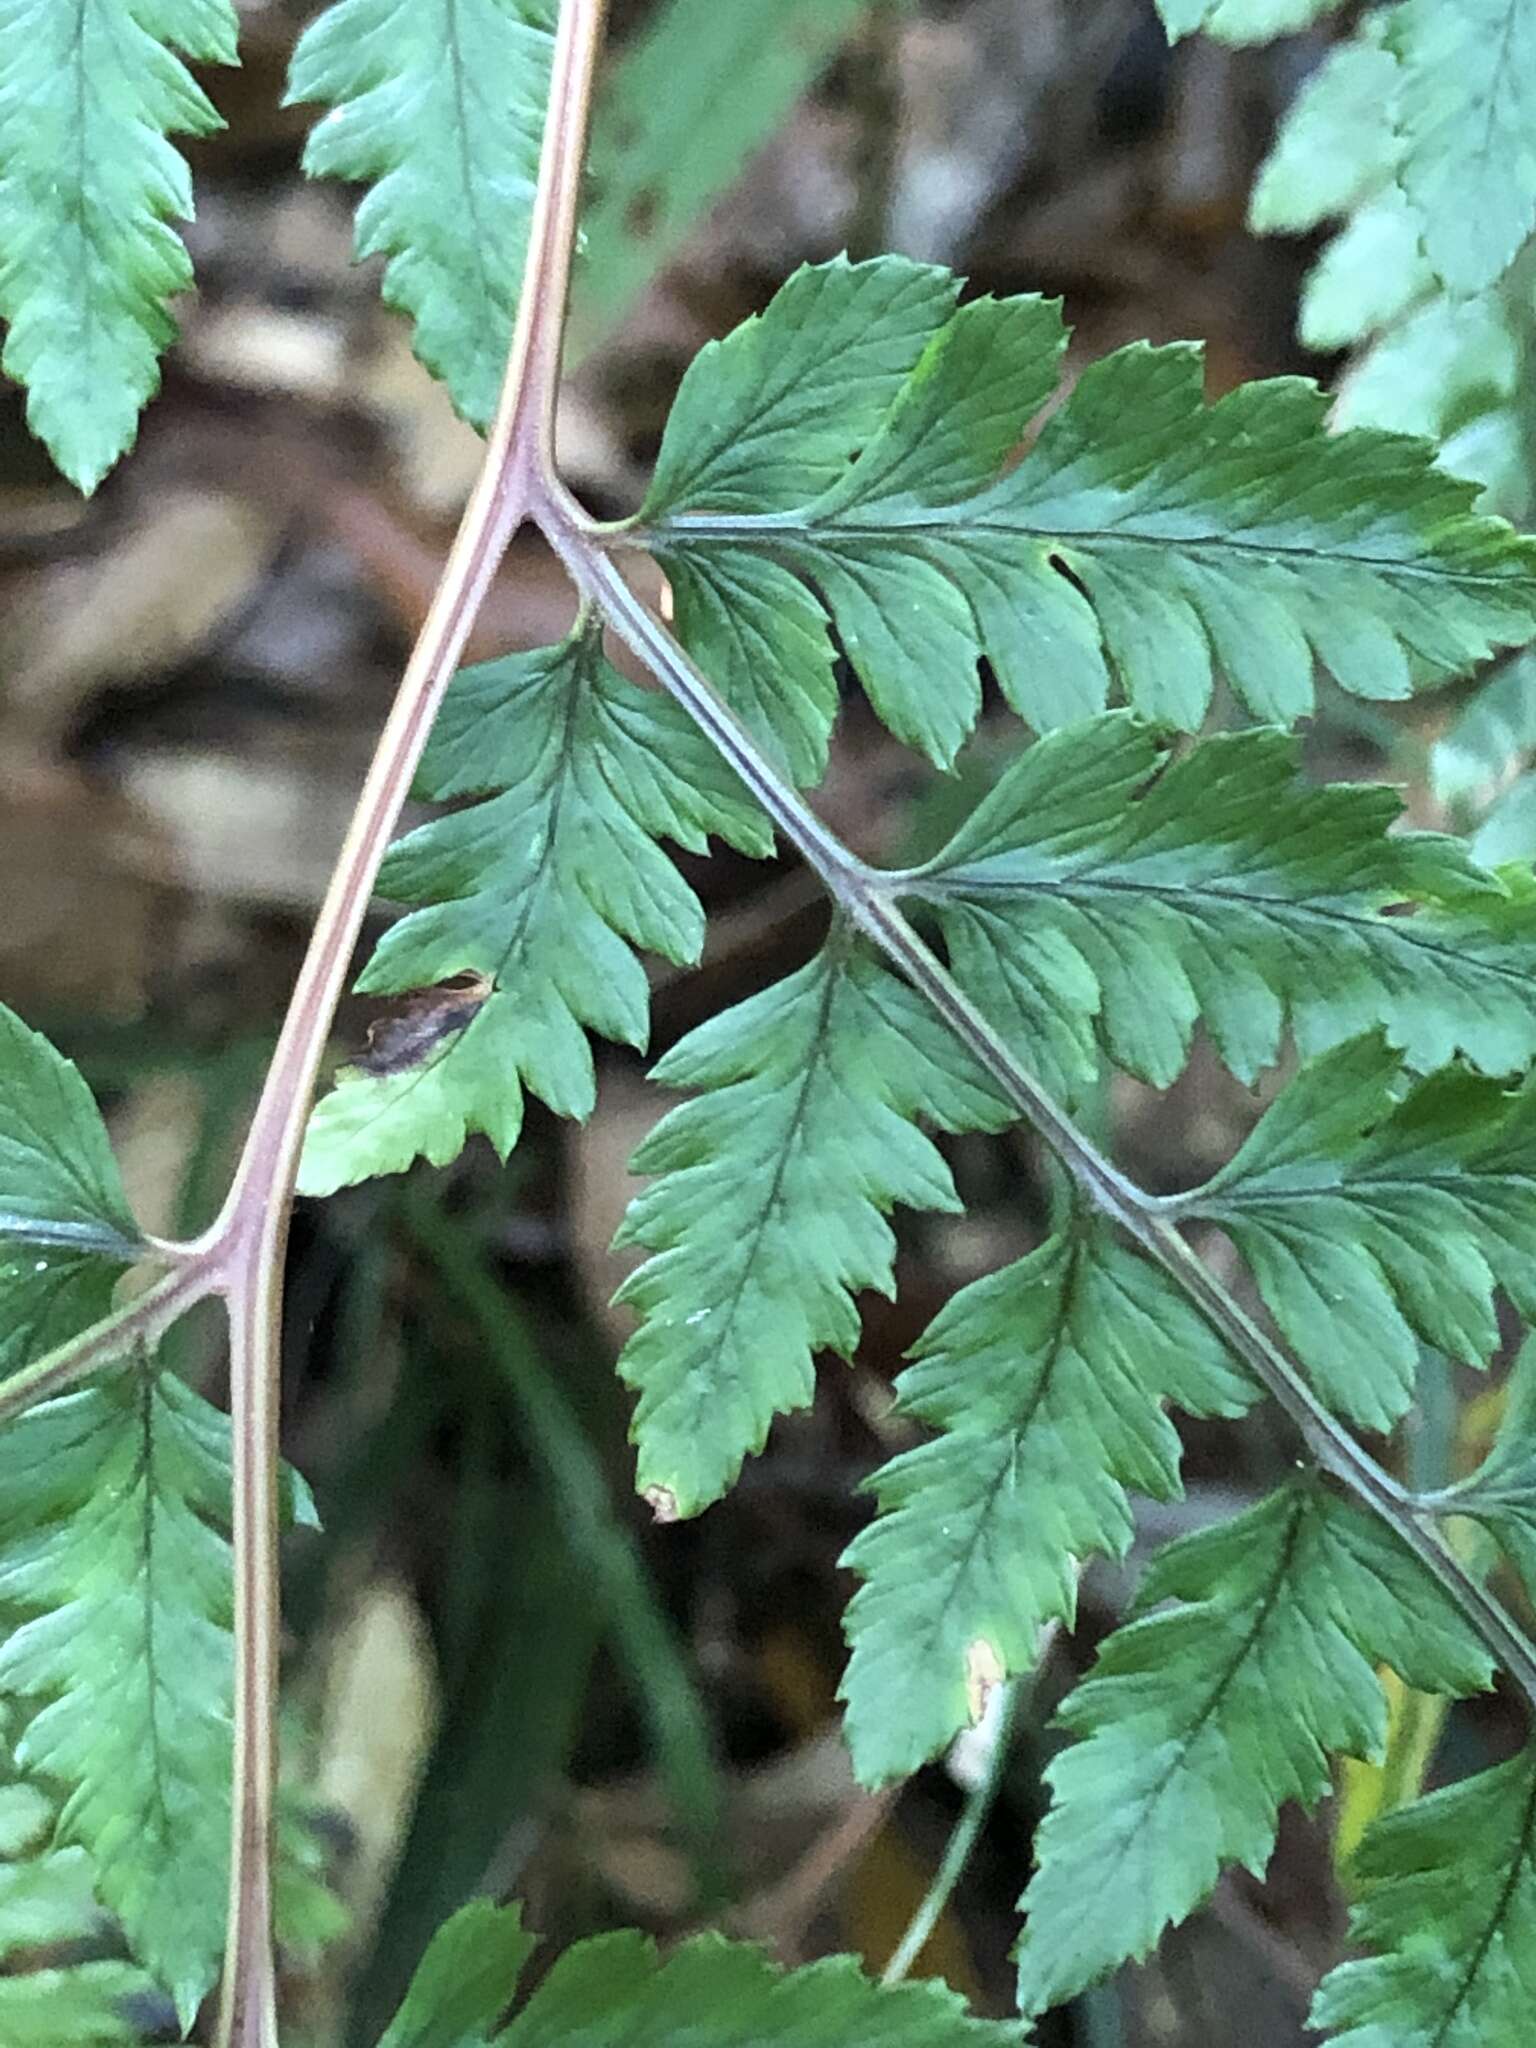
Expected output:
(419, 1023)
(984, 1673)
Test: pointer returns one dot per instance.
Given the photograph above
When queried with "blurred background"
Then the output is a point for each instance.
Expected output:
(503, 1677)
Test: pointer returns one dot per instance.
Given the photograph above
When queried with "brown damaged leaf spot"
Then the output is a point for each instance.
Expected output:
(662, 1502)
(419, 1023)
(984, 1673)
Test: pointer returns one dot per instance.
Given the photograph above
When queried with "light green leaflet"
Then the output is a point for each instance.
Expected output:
(1241, 21)
(1198, 1722)
(439, 104)
(1104, 886)
(1422, 129)
(528, 906)
(841, 461)
(768, 1215)
(1467, 111)
(89, 91)
(1048, 1381)
(616, 1992)
(1374, 1218)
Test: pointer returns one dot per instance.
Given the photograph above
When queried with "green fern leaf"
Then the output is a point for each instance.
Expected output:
(533, 899)
(1449, 1903)
(1371, 1222)
(1199, 1723)
(1448, 369)
(439, 105)
(66, 1231)
(1090, 887)
(1338, 152)
(616, 1992)
(1371, 273)
(1048, 1379)
(1337, 144)
(89, 91)
(47, 1899)
(769, 1213)
(1467, 110)
(1145, 532)
(88, 2005)
(115, 1570)
(465, 1981)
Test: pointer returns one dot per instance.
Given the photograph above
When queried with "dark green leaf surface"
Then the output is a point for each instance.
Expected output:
(1048, 1380)
(1373, 1219)
(1449, 1903)
(465, 1981)
(48, 1903)
(89, 91)
(838, 460)
(616, 1992)
(66, 1232)
(1197, 1724)
(115, 1573)
(530, 903)
(769, 1212)
(1102, 884)
(439, 106)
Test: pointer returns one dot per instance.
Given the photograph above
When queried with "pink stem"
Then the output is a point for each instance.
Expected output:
(244, 1250)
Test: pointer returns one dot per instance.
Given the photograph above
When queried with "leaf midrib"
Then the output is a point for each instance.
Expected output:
(760, 530)
(962, 885)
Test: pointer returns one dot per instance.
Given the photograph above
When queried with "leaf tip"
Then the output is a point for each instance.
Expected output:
(663, 1504)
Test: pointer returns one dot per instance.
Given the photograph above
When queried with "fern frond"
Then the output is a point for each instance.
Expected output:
(533, 900)
(1418, 130)
(1196, 1725)
(1145, 534)
(115, 1575)
(1048, 1380)
(1372, 1220)
(89, 92)
(1449, 1904)
(1100, 882)
(439, 106)
(769, 1211)
(616, 1992)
